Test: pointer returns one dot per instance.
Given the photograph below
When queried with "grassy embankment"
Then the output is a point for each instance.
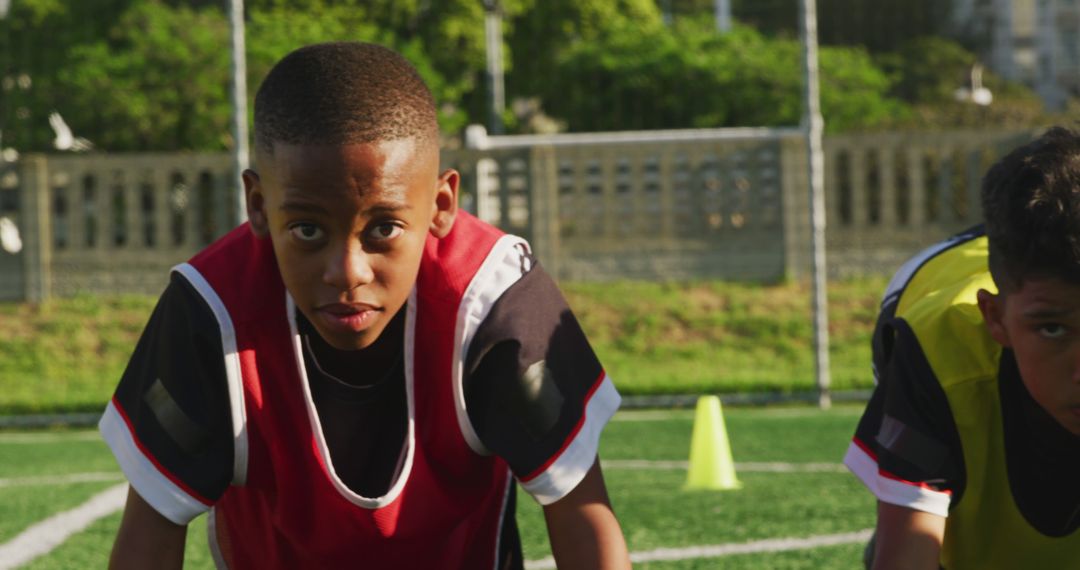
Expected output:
(654, 338)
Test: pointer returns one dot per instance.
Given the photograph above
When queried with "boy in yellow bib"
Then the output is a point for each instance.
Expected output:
(971, 440)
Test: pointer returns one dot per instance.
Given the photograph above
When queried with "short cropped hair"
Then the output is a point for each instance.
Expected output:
(1031, 206)
(343, 93)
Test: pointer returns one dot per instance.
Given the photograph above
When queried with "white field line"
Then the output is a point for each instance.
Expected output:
(750, 467)
(44, 536)
(62, 479)
(718, 550)
(629, 464)
(614, 464)
(756, 413)
(49, 437)
(652, 415)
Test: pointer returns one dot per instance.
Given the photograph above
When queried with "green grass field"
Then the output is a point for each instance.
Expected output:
(654, 510)
(690, 338)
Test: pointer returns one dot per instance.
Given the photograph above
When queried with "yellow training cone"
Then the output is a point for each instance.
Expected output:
(711, 465)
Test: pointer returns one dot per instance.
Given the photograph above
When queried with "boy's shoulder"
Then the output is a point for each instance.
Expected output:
(230, 269)
(938, 302)
(473, 254)
(939, 265)
(469, 238)
(237, 243)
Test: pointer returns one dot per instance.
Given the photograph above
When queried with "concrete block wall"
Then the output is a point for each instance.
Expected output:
(720, 204)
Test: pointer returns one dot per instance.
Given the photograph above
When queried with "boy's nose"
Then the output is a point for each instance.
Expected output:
(349, 268)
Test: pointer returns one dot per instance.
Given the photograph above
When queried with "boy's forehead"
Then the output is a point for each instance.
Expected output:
(363, 162)
(1046, 290)
(313, 151)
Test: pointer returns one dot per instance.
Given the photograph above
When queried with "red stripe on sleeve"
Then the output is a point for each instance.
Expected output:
(573, 433)
(161, 468)
(866, 448)
(919, 484)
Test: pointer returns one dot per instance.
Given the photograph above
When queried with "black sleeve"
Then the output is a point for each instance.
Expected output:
(533, 381)
(169, 422)
(907, 429)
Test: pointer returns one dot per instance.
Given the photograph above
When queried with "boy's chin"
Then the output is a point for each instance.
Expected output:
(1070, 420)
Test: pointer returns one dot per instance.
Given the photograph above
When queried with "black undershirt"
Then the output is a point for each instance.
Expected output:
(1042, 458)
(361, 402)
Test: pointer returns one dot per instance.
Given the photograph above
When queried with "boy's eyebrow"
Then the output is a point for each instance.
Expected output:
(1048, 312)
(380, 208)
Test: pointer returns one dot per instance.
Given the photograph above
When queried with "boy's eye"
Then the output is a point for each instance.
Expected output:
(306, 232)
(384, 231)
(1052, 330)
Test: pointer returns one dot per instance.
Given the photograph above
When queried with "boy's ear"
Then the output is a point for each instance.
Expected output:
(446, 195)
(256, 203)
(992, 307)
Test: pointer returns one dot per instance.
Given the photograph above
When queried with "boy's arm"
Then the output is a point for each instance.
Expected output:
(147, 539)
(907, 538)
(582, 527)
(537, 396)
(169, 427)
(907, 451)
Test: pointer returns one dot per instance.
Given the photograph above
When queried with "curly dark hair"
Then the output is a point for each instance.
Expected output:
(343, 93)
(1031, 205)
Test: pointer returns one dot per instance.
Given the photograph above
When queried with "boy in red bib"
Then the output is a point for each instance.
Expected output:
(357, 376)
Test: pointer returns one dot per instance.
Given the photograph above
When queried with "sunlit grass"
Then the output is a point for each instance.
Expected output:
(725, 337)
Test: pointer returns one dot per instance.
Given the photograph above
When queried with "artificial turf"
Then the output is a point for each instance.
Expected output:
(654, 509)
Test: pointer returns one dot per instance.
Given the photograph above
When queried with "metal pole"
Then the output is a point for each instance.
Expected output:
(493, 43)
(723, 15)
(5, 69)
(239, 104)
(813, 125)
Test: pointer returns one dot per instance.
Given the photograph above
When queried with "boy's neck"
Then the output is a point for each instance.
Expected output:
(366, 366)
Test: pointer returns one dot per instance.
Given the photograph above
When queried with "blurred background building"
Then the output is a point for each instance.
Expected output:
(1036, 42)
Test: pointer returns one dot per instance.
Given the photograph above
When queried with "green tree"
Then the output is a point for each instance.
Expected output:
(451, 33)
(153, 74)
(275, 31)
(35, 39)
(159, 79)
(876, 25)
(690, 76)
(541, 38)
(928, 71)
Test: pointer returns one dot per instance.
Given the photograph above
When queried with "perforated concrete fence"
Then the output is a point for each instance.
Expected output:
(726, 204)
(116, 223)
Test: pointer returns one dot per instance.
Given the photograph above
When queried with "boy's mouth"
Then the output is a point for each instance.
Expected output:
(352, 317)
